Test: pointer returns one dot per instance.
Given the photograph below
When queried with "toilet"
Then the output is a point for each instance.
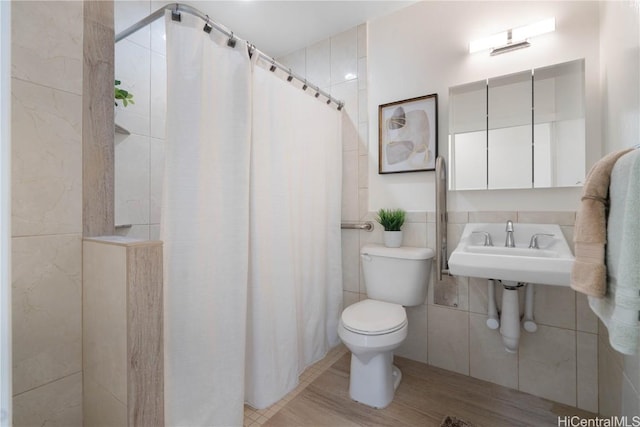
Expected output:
(373, 328)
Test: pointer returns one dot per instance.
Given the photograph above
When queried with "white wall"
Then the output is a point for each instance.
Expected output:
(620, 72)
(5, 218)
(422, 49)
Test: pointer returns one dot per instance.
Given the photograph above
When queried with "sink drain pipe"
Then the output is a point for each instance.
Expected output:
(509, 320)
(510, 316)
(492, 310)
(528, 323)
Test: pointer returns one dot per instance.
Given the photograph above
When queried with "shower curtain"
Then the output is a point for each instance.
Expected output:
(204, 225)
(295, 277)
(251, 228)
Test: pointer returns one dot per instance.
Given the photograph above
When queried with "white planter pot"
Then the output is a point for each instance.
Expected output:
(393, 239)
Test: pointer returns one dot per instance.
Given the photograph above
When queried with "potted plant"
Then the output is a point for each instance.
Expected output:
(120, 94)
(391, 220)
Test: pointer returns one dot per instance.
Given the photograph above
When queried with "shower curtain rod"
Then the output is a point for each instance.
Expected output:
(176, 8)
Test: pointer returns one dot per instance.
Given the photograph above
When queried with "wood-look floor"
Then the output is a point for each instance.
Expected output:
(425, 396)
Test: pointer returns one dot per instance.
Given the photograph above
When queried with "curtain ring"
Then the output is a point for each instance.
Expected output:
(207, 27)
(232, 41)
(175, 14)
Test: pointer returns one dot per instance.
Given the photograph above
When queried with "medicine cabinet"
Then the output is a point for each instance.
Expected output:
(522, 130)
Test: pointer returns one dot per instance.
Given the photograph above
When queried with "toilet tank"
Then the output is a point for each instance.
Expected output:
(398, 275)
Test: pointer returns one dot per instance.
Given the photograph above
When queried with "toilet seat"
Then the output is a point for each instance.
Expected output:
(372, 317)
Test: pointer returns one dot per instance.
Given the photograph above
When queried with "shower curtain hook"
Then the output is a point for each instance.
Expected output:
(340, 106)
(232, 41)
(273, 65)
(304, 86)
(207, 27)
(175, 14)
(290, 76)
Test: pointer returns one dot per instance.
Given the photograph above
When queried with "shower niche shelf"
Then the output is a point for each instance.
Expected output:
(121, 130)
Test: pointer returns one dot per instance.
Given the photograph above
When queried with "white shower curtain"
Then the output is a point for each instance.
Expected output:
(205, 225)
(295, 279)
(251, 227)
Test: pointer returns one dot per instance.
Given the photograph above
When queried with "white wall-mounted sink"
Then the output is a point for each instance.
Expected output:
(549, 265)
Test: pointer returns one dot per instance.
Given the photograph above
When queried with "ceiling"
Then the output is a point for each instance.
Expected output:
(281, 27)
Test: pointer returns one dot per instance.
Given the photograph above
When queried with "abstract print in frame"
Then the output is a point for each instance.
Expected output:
(408, 135)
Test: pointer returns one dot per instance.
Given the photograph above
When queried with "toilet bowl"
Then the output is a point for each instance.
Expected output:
(373, 328)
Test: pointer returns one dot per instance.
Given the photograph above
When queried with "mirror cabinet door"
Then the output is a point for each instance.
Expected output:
(468, 136)
(523, 130)
(510, 131)
(559, 125)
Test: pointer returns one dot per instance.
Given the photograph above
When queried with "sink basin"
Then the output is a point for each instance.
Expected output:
(549, 265)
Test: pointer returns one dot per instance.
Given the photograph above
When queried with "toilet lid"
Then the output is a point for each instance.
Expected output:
(372, 317)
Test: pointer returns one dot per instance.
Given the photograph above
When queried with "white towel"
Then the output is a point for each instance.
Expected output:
(620, 308)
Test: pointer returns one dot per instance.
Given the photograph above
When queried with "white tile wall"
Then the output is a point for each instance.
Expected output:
(547, 364)
(318, 64)
(344, 56)
(587, 371)
(133, 69)
(140, 63)
(415, 346)
(132, 179)
(350, 261)
(127, 14)
(448, 339)
(555, 306)
(488, 360)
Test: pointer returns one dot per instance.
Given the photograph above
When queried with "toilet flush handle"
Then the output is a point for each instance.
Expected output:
(366, 257)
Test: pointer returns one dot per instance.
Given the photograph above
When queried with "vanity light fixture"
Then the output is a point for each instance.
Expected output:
(512, 39)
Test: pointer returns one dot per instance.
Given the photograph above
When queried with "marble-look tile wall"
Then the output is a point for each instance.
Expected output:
(140, 65)
(46, 102)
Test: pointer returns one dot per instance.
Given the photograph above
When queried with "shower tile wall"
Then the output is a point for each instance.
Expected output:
(139, 157)
(47, 43)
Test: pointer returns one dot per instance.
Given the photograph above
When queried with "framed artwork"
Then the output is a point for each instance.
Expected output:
(408, 135)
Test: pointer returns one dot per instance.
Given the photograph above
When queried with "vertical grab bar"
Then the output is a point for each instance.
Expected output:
(441, 218)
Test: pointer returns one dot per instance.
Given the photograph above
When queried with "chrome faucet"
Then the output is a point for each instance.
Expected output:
(510, 243)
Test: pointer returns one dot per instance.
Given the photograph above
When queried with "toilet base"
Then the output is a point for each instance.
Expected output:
(374, 379)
